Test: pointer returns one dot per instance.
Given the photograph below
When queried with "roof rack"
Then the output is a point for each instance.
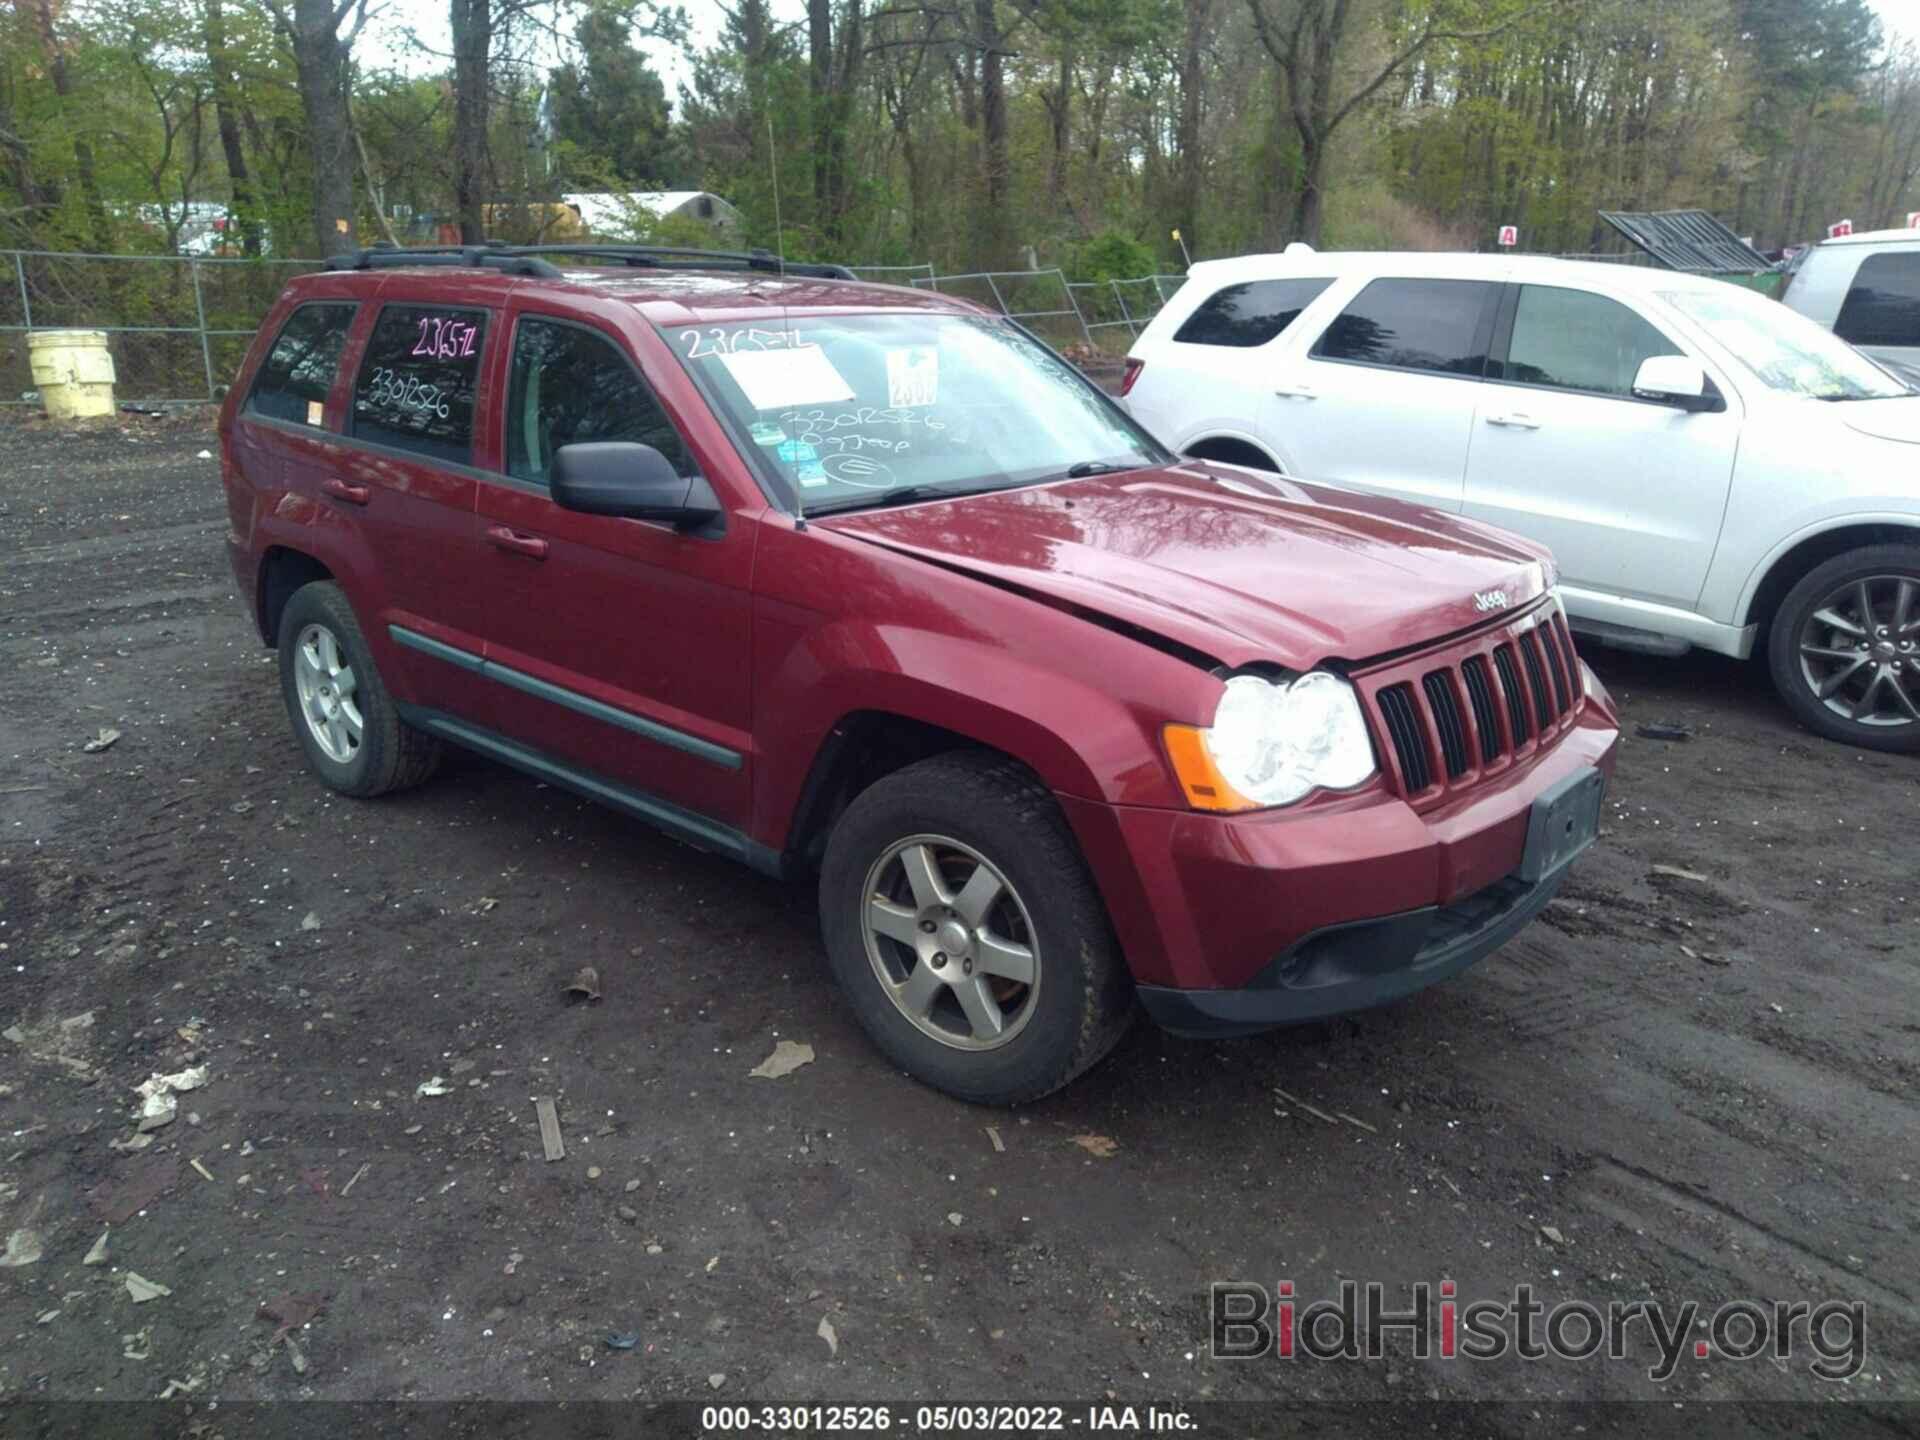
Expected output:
(525, 259)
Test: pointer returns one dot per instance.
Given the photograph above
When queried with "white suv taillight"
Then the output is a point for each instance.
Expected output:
(1134, 367)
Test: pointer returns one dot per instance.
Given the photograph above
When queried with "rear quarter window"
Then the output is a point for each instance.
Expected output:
(1249, 314)
(1883, 305)
(294, 379)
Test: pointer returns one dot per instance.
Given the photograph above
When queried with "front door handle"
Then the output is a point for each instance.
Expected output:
(341, 490)
(1296, 392)
(505, 539)
(1514, 421)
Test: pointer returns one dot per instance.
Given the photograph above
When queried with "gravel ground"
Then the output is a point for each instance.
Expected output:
(1693, 1079)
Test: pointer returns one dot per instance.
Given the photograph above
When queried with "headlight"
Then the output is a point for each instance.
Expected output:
(1272, 743)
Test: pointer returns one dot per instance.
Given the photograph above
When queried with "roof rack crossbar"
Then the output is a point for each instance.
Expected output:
(388, 257)
(525, 259)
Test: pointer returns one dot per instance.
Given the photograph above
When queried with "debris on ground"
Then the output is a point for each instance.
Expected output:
(586, 985)
(786, 1058)
(159, 1095)
(297, 1356)
(426, 1089)
(98, 1254)
(47, 1317)
(1299, 1104)
(1101, 1147)
(205, 1174)
(956, 1219)
(24, 1247)
(487, 903)
(310, 921)
(138, 1345)
(717, 1379)
(999, 1145)
(358, 1175)
(1674, 872)
(1356, 1120)
(1660, 730)
(290, 1312)
(622, 1339)
(1552, 1235)
(106, 739)
(143, 1289)
(550, 1140)
(826, 1333)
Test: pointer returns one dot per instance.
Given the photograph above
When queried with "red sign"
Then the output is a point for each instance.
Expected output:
(1509, 235)
(1839, 228)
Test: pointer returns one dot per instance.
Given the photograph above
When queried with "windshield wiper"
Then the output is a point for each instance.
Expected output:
(901, 495)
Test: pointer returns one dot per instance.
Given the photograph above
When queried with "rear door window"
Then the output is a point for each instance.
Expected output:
(1441, 326)
(298, 372)
(416, 386)
(1883, 307)
(569, 385)
(1574, 340)
(1249, 314)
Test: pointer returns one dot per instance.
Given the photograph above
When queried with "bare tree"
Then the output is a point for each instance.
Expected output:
(321, 34)
(1305, 39)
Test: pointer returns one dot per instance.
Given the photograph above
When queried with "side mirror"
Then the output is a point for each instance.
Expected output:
(637, 482)
(1676, 380)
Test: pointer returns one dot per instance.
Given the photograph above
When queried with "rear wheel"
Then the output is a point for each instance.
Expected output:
(961, 922)
(342, 714)
(1845, 648)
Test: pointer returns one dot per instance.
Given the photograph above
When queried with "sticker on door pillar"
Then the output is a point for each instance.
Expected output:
(316, 412)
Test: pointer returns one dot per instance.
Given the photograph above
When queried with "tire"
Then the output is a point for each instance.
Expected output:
(978, 821)
(353, 735)
(1817, 639)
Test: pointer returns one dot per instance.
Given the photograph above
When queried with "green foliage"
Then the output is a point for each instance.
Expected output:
(1121, 120)
(1110, 255)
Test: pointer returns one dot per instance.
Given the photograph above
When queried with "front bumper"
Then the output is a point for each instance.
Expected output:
(1242, 922)
(1358, 965)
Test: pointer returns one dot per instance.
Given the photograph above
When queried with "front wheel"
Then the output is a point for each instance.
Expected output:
(1845, 648)
(961, 922)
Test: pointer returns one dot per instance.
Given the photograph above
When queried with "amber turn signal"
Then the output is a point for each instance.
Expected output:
(1206, 788)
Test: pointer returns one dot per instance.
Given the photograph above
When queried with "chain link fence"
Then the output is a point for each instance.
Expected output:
(179, 326)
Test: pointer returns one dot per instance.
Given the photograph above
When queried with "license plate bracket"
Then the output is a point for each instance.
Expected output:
(1562, 823)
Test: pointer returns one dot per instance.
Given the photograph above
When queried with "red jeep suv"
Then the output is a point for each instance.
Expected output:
(867, 583)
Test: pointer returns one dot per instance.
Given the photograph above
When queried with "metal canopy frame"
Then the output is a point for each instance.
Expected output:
(1688, 240)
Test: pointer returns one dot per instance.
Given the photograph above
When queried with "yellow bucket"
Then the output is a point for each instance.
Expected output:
(73, 371)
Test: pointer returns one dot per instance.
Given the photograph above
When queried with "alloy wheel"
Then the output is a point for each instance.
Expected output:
(951, 942)
(1860, 651)
(325, 683)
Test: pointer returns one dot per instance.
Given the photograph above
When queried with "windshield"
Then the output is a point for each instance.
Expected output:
(852, 410)
(1785, 349)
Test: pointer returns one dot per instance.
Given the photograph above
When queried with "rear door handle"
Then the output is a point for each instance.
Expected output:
(341, 490)
(1296, 392)
(519, 544)
(1515, 421)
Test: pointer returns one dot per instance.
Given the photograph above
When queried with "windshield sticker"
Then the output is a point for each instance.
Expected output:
(863, 472)
(316, 412)
(913, 376)
(812, 474)
(796, 452)
(773, 379)
(765, 434)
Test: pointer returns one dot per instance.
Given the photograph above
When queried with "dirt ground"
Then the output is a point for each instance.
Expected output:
(1676, 1086)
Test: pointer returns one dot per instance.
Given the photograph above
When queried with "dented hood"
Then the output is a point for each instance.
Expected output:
(1238, 565)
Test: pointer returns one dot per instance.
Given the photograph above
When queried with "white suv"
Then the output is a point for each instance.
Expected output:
(1866, 289)
(1708, 467)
